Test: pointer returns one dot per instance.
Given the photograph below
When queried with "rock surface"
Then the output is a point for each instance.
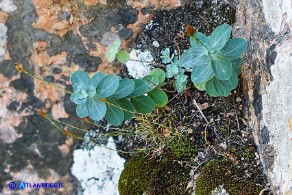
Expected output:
(267, 26)
(51, 39)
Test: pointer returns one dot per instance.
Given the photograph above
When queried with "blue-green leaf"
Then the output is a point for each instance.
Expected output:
(231, 83)
(223, 91)
(91, 90)
(81, 110)
(171, 70)
(143, 104)
(128, 108)
(202, 38)
(114, 114)
(180, 86)
(140, 88)
(234, 48)
(158, 73)
(159, 97)
(166, 58)
(97, 78)
(196, 56)
(222, 66)
(220, 36)
(107, 86)
(112, 50)
(237, 64)
(210, 89)
(81, 79)
(126, 87)
(77, 97)
(96, 108)
(181, 82)
(151, 82)
(181, 71)
(123, 56)
(201, 74)
(165, 52)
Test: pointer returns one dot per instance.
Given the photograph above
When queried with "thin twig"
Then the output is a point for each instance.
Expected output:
(196, 104)
(174, 97)
(238, 127)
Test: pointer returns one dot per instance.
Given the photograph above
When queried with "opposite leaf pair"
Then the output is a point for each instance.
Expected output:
(214, 62)
(115, 99)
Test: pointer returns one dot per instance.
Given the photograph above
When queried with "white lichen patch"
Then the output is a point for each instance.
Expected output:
(277, 110)
(7, 6)
(98, 169)
(138, 66)
(278, 13)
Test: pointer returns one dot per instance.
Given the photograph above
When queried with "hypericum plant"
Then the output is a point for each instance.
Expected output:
(215, 61)
(115, 99)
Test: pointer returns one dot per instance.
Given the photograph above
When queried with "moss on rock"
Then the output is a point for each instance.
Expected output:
(182, 148)
(232, 177)
(171, 178)
(142, 174)
(136, 175)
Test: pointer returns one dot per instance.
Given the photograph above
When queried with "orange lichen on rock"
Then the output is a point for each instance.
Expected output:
(43, 62)
(39, 56)
(44, 91)
(59, 58)
(50, 16)
(58, 111)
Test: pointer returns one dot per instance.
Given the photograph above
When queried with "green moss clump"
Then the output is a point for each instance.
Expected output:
(142, 174)
(182, 148)
(232, 177)
(245, 154)
(171, 178)
(136, 175)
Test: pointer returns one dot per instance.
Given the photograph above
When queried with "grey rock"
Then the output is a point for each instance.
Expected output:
(125, 33)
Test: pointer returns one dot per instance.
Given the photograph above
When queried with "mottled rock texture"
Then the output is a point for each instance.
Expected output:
(51, 39)
(267, 26)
